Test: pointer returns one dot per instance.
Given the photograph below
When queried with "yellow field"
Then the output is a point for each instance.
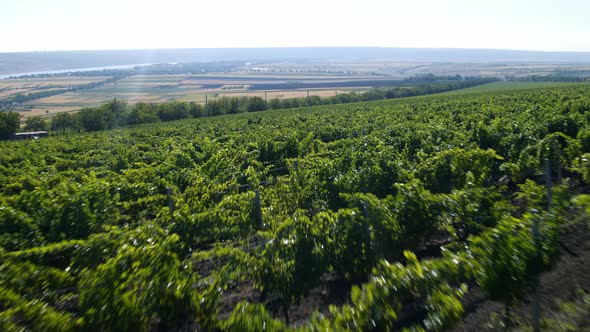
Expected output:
(11, 87)
(8, 93)
(159, 88)
(58, 82)
(46, 112)
(291, 93)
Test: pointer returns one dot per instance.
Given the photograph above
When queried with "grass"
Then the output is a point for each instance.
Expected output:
(573, 315)
(510, 86)
(162, 79)
(49, 81)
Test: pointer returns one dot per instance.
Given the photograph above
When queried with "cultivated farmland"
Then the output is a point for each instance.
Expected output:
(413, 213)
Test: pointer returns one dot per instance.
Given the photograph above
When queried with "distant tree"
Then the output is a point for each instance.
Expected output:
(213, 108)
(314, 101)
(235, 105)
(62, 122)
(343, 98)
(119, 110)
(290, 103)
(77, 122)
(370, 95)
(173, 111)
(195, 110)
(9, 124)
(142, 113)
(228, 105)
(256, 104)
(275, 104)
(94, 119)
(36, 123)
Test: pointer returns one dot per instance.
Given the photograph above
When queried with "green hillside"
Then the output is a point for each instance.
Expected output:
(513, 86)
(369, 216)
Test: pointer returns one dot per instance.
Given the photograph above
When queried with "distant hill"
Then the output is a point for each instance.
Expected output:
(12, 63)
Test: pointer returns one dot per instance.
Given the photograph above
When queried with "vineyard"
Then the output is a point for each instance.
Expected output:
(371, 216)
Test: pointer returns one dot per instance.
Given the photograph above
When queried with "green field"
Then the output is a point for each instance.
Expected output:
(513, 86)
(378, 216)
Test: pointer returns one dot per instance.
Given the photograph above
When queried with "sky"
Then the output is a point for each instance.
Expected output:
(45, 25)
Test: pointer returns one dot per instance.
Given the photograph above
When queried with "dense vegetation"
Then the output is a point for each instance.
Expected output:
(230, 222)
(577, 76)
(9, 124)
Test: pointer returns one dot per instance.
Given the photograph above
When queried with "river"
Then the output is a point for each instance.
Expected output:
(73, 70)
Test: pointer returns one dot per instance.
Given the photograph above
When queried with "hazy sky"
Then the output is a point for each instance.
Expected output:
(30, 25)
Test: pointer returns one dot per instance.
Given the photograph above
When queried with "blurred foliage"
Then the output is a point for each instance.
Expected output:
(150, 227)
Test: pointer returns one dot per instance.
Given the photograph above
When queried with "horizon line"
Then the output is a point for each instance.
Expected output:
(297, 47)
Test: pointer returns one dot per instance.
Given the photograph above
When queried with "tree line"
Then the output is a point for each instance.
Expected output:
(118, 113)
